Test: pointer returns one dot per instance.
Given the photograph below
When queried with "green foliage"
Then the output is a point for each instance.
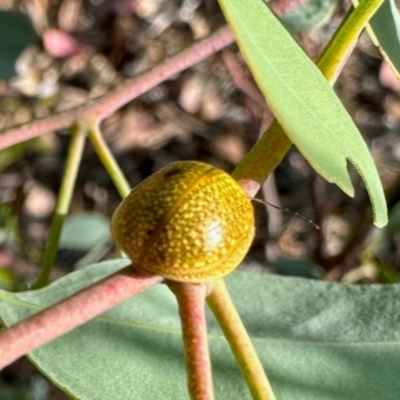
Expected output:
(16, 34)
(6, 279)
(385, 31)
(308, 15)
(298, 267)
(84, 231)
(303, 102)
(317, 340)
(12, 154)
(393, 226)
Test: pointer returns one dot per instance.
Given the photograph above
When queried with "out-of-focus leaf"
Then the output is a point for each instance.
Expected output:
(384, 30)
(308, 15)
(304, 104)
(7, 279)
(316, 340)
(11, 154)
(394, 221)
(295, 267)
(84, 231)
(12, 392)
(8, 223)
(16, 34)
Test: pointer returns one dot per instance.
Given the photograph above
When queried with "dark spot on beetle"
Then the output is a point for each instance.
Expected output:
(149, 232)
(173, 172)
(160, 256)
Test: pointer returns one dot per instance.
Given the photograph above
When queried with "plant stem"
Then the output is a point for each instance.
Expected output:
(228, 318)
(130, 89)
(108, 160)
(74, 156)
(335, 54)
(190, 297)
(70, 313)
(255, 168)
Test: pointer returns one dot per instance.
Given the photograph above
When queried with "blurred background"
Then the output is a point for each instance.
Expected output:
(59, 54)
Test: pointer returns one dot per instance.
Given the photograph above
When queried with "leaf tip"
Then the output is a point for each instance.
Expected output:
(372, 182)
(380, 221)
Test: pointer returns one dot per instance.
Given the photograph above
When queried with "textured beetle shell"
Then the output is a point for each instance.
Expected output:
(190, 222)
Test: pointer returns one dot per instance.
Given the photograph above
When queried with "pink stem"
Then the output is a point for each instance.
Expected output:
(130, 89)
(242, 79)
(70, 313)
(177, 63)
(191, 300)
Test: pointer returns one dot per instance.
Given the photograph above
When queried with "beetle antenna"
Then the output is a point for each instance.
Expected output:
(286, 210)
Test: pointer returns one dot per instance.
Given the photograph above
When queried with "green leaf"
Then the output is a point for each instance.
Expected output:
(393, 226)
(7, 278)
(385, 32)
(16, 34)
(297, 267)
(308, 15)
(84, 231)
(303, 102)
(316, 340)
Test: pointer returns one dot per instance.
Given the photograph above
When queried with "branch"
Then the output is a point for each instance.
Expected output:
(71, 312)
(106, 105)
(190, 297)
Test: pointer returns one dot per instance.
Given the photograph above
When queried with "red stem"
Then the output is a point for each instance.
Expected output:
(130, 89)
(242, 78)
(191, 301)
(70, 313)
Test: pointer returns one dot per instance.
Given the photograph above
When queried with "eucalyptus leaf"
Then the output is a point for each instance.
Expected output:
(308, 15)
(84, 231)
(316, 340)
(16, 34)
(298, 267)
(385, 32)
(303, 102)
(393, 227)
